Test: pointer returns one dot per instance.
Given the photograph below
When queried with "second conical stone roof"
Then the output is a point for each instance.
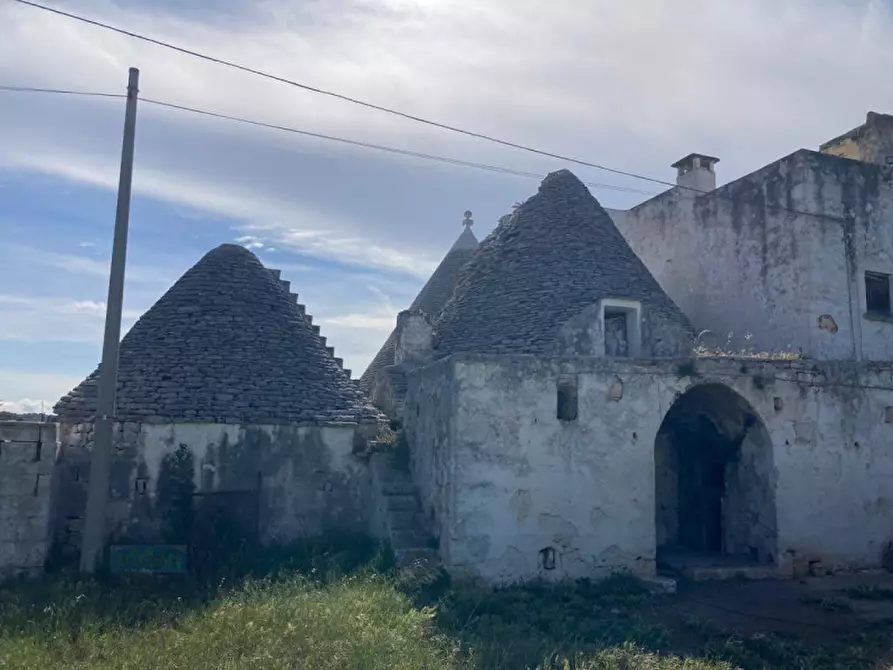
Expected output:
(557, 254)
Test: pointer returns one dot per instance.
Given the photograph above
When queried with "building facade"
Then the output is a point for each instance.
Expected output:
(794, 257)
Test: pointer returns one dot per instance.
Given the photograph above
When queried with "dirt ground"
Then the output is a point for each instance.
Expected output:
(816, 609)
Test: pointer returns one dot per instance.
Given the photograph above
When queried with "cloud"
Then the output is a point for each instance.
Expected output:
(26, 406)
(250, 242)
(382, 324)
(22, 391)
(633, 85)
(89, 267)
(30, 319)
(260, 213)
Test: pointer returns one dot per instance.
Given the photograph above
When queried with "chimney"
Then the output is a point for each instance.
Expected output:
(696, 172)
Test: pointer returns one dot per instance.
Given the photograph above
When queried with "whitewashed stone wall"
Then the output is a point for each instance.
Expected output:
(508, 479)
(308, 477)
(740, 261)
(27, 455)
(430, 430)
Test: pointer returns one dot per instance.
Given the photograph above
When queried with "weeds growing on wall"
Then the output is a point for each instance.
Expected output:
(174, 492)
(746, 354)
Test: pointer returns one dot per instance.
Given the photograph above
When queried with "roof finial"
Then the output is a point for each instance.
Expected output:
(468, 222)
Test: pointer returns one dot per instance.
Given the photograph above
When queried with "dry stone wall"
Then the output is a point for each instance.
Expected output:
(274, 482)
(27, 455)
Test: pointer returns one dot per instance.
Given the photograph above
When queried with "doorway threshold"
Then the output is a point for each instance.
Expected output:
(698, 566)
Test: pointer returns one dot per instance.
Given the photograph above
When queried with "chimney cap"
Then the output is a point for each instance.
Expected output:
(687, 160)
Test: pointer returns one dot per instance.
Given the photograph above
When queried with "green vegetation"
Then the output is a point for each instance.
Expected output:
(340, 603)
(866, 592)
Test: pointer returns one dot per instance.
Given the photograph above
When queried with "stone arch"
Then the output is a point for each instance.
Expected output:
(715, 477)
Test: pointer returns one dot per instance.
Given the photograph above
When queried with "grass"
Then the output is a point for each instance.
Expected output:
(340, 603)
(827, 604)
(869, 592)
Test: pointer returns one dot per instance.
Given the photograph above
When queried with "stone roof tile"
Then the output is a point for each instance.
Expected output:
(431, 299)
(226, 342)
(555, 255)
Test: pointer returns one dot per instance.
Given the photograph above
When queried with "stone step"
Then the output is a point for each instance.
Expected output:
(417, 555)
(387, 475)
(409, 539)
(406, 488)
(403, 520)
(402, 503)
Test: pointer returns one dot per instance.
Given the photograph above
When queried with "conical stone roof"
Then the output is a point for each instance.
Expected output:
(431, 299)
(227, 342)
(556, 255)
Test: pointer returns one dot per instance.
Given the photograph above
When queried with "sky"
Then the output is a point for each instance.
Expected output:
(631, 85)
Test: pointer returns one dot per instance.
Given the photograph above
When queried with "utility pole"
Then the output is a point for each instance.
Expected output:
(101, 461)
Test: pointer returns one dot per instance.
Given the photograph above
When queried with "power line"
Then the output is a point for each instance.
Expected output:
(379, 147)
(321, 136)
(61, 91)
(406, 115)
(340, 96)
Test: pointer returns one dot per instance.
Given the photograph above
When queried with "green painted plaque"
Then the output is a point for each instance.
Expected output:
(156, 558)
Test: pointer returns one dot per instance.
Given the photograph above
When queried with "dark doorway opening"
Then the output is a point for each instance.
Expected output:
(702, 462)
(714, 479)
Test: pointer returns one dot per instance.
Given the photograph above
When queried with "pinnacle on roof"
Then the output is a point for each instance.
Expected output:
(227, 342)
(433, 296)
(554, 256)
(466, 241)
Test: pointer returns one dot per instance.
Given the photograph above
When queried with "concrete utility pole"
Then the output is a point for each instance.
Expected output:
(101, 462)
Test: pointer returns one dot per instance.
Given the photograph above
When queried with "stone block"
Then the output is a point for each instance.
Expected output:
(25, 529)
(19, 431)
(659, 584)
(49, 432)
(15, 555)
(13, 454)
(23, 482)
(17, 507)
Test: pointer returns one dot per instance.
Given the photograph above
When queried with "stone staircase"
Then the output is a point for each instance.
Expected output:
(398, 516)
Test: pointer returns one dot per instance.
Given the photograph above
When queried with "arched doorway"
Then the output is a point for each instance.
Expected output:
(714, 479)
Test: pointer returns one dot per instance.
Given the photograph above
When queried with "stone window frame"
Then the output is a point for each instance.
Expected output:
(633, 311)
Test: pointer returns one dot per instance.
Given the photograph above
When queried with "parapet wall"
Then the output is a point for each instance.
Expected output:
(27, 455)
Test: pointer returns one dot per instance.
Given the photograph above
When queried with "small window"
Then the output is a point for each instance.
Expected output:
(616, 333)
(547, 558)
(877, 293)
(622, 331)
(567, 399)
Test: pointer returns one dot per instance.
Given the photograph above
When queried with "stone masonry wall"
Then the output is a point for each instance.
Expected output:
(523, 486)
(305, 479)
(429, 429)
(871, 142)
(27, 454)
(752, 258)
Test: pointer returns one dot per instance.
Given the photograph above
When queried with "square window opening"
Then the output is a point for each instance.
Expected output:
(616, 332)
(622, 331)
(877, 293)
